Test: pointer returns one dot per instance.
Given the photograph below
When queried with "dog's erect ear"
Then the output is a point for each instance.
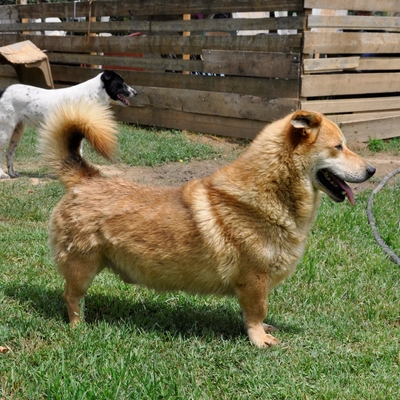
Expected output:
(305, 119)
(107, 75)
(307, 124)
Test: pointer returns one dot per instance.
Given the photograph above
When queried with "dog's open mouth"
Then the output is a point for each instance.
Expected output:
(337, 189)
(123, 100)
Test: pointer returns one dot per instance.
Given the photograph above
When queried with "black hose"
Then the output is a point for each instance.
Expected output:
(371, 218)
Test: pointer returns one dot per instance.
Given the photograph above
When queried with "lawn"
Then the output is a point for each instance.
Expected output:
(338, 316)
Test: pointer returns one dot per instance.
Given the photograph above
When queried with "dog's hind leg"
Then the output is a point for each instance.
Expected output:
(5, 129)
(79, 274)
(3, 175)
(14, 141)
(253, 299)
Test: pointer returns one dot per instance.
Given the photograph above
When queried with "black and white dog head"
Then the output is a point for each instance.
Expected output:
(116, 88)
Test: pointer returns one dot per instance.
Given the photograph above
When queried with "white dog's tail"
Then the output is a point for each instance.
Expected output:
(62, 133)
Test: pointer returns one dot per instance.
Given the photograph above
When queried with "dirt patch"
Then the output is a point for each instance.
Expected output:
(174, 174)
(180, 173)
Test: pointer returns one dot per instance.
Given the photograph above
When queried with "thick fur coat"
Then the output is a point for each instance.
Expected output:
(238, 232)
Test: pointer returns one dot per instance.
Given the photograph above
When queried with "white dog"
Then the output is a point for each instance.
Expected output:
(22, 105)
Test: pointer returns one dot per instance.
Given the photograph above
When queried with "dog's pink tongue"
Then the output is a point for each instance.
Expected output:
(350, 195)
(347, 190)
(123, 100)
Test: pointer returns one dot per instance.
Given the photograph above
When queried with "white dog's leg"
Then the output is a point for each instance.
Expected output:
(4, 140)
(15, 139)
(3, 175)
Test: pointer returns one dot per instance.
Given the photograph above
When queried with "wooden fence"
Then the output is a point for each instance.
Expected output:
(351, 66)
(195, 69)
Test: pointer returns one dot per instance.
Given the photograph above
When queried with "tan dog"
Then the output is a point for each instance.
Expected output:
(238, 232)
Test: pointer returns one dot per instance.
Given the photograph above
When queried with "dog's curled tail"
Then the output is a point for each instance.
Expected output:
(63, 131)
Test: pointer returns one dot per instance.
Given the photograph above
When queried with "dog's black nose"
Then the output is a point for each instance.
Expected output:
(370, 170)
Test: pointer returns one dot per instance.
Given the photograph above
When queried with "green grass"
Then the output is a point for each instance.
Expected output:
(387, 215)
(152, 147)
(338, 318)
(137, 146)
(380, 145)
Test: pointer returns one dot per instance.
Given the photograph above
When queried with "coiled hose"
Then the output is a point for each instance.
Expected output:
(371, 218)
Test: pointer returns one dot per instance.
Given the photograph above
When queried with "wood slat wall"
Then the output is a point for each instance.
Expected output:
(230, 84)
(158, 44)
(213, 80)
(144, 8)
(361, 5)
(351, 66)
(154, 27)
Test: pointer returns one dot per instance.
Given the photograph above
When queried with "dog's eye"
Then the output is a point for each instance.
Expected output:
(339, 147)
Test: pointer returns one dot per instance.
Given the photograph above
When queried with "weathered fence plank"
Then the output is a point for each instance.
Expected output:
(144, 8)
(175, 26)
(345, 84)
(365, 5)
(213, 103)
(319, 65)
(350, 43)
(250, 63)
(159, 44)
(212, 124)
(354, 22)
(357, 63)
(355, 105)
(269, 88)
(382, 128)
(126, 62)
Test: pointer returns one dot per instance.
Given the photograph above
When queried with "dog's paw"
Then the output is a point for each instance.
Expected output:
(261, 339)
(269, 328)
(13, 174)
(4, 176)
(266, 340)
(74, 324)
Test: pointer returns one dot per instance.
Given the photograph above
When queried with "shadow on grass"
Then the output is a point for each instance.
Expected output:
(187, 317)
(38, 175)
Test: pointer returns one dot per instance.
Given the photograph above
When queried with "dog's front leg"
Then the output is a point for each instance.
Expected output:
(3, 144)
(3, 175)
(253, 299)
(14, 141)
